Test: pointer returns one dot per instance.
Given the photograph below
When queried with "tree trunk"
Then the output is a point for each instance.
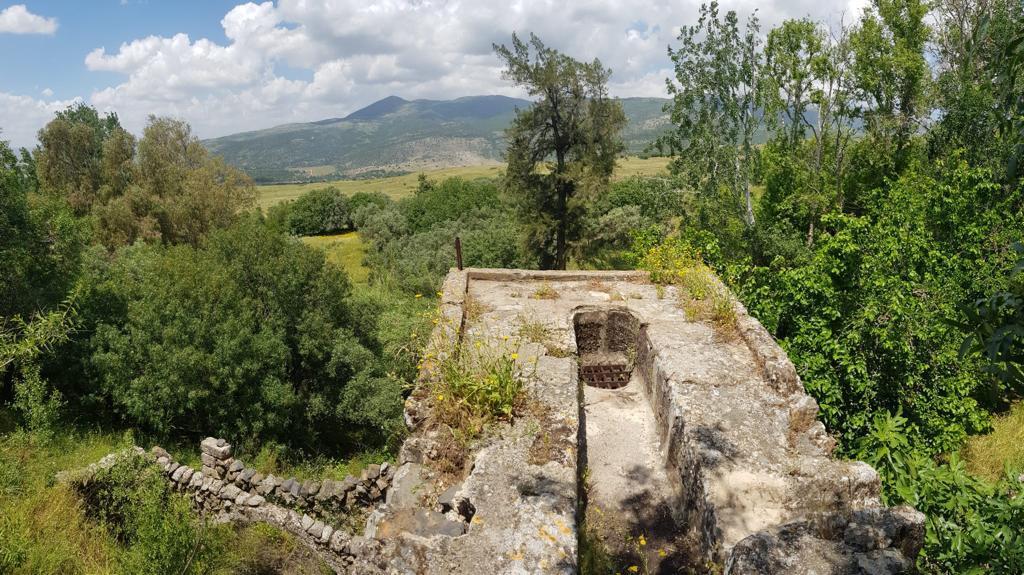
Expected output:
(560, 247)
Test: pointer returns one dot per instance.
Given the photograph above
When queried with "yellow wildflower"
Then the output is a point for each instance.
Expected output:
(661, 553)
(642, 541)
(440, 398)
(439, 294)
(419, 295)
(633, 569)
(515, 356)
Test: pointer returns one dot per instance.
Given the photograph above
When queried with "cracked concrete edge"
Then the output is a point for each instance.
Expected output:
(769, 355)
(493, 274)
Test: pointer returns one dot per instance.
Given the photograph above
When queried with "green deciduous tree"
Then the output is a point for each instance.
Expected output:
(571, 131)
(165, 187)
(40, 241)
(805, 91)
(714, 108)
(891, 75)
(70, 156)
(317, 212)
(193, 192)
(249, 336)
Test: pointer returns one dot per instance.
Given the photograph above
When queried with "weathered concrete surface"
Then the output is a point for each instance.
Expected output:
(731, 441)
(629, 492)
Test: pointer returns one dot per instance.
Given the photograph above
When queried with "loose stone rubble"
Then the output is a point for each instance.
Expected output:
(744, 466)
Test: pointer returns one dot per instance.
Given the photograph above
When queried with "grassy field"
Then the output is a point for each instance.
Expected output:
(399, 186)
(344, 250)
(395, 186)
(986, 455)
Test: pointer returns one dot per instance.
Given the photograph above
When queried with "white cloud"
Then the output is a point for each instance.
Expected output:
(302, 60)
(22, 116)
(17, 19)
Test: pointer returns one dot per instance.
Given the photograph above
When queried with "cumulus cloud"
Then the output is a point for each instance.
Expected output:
(302, 60)
(22, 116)
(17, 19)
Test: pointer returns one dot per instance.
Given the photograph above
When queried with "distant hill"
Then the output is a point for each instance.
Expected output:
(396, 135)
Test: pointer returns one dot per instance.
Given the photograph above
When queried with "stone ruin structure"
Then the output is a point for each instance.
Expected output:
(697, 441)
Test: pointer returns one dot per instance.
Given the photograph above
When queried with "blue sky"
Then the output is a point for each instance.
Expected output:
(58, 61)
(226, 66)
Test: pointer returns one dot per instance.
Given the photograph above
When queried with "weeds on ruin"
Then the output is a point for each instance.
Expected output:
(470, 386)
(533, 330)
(702, 296)
(473, 308)
(605, 548)
(545, 291)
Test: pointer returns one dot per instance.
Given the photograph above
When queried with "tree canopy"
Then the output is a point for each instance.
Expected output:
(572, 130)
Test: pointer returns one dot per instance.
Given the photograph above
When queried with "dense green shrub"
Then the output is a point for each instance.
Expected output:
(249, 337)
(867, 318)
(317, 212)
(40, 241)
(634, 205)
(972, 526)
(412, 242)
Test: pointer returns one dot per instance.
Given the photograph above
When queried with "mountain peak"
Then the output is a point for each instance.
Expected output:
(377, 109)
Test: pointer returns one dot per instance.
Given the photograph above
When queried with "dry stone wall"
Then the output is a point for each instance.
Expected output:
(225, 488)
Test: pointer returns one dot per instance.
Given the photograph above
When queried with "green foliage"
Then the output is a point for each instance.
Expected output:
(317, 212)
(996, 327)
(573, 122)
(250, 336)
(21, 346)
(713, 107)
(40, 241)
(612, 220)
(866, 318)
(70, 158)
(157, 526)
(169, 189)
(973, 526)
(412, 243)
(890, 73)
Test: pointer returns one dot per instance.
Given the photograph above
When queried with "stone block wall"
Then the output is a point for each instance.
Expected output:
(230, 491)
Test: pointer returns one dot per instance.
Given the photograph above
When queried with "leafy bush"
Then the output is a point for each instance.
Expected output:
(250, 337)
(317, 212)
(972, 526)
(870, 319)
(40, 241)
(412, 243)
(996, 327)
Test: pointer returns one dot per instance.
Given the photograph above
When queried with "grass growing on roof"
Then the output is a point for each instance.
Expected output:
(702, 296)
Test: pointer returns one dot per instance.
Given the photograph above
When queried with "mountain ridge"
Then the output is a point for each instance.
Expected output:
(398, 135)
